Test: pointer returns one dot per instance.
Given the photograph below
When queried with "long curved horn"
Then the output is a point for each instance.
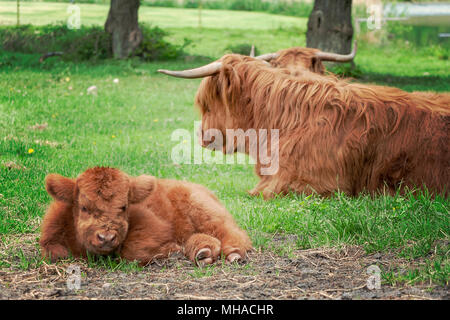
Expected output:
(328, 56)
(201, 72)
(268, 56)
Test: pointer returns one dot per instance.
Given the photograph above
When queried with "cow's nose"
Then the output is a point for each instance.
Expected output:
(106, 238)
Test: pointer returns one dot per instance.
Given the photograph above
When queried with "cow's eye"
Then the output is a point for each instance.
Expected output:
(84, 209)
(123, 209)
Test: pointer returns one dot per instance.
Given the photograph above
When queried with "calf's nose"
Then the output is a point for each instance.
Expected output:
(106, 238)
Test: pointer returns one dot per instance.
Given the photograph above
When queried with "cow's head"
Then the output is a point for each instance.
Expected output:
(297, 59)
(222, 98)
(100, 198)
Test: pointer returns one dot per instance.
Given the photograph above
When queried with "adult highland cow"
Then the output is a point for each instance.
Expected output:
(333, 135)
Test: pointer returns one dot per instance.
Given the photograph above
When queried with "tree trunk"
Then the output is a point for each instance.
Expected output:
(330, 26)
(123, 25)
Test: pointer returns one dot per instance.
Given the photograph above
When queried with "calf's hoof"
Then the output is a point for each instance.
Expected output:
(204, 256)
(234, 257)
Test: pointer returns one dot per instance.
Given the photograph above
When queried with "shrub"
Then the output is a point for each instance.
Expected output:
(243, 48)
(347, 70)
(154, 47)
(86, 43)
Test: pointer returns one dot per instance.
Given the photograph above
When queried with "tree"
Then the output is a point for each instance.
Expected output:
(330, 26)
(123, 25)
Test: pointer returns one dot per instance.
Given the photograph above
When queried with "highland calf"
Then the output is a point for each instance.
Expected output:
(105, 211)
(333, 135)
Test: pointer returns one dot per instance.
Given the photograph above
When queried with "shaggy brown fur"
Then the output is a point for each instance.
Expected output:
(105, 211)
(334, 135)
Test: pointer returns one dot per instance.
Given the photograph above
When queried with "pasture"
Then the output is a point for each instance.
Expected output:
(306, 247)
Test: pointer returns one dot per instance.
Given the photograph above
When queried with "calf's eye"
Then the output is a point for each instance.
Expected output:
(123, 209)
(84, 209)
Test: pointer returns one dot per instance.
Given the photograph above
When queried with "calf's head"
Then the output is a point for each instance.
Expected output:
(100, 198)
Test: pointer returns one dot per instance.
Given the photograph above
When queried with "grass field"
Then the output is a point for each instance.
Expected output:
(129, 125)
(43, 13)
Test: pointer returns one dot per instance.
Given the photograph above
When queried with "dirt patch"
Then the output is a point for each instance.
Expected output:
(12, 165)
(325, 273)
(39, 127)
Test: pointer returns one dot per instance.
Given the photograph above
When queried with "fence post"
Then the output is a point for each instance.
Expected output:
(200, 7)
(18, 12)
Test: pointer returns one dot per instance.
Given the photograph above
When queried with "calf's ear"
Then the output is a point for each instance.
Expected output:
(60, 188)
(140, 188)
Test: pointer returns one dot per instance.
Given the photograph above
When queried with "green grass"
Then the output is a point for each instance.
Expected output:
(112, 264)
(435, 270)
(129, 125)
(296, 8)
(38, 13)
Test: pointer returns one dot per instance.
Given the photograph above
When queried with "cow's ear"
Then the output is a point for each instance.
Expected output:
(140, 188)
(60, 188)
(317, 65)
